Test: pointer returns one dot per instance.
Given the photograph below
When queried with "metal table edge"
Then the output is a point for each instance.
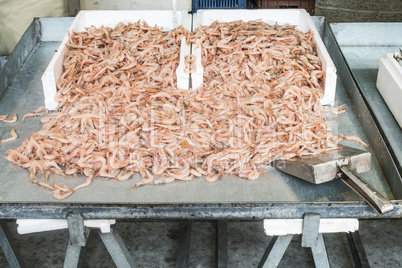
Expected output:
(255, 211)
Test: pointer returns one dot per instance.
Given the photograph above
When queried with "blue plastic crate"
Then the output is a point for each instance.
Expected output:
(224, 4)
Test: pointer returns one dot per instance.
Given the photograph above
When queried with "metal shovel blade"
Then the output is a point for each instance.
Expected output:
(345, 163)
(324, 167)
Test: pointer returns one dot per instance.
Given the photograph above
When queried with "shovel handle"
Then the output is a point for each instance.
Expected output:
(365, 190)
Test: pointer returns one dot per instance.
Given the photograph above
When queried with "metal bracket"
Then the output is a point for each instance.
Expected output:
(313, 239)
(77, 230)
(311, 225)
(78, 239)
(310, 238)
(76, 248)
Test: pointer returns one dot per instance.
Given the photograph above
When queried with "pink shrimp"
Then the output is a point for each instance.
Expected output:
(339, 110)
(12, 120)
(212, 177)
(13, 136)
(353, 138)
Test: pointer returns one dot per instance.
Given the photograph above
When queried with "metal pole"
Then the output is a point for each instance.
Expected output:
(320, 253)
(76, 248)
(313, 239)
(357, 249)
(183, 247)
(117, 249)
(7, 245)
(221, 245)
(275, 251)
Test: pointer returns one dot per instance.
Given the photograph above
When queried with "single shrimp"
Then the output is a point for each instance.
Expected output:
(60, 195)
(12, 120)
(212, 177)
(42, 183)
(124, 177)
(36, 113)
(13, 136)
(339, 110)
(41, 109)
(164, 180)
(85, 184)
(63, 188)
(353, 138)
(29, 115)
(3, 117)
(147, 178)
(195, 173)
(255, 174)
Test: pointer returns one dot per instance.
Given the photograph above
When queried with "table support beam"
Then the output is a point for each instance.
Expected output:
(183, 244)
(9, 249)
(221, 244)
(283, 231)
(314, 240)
(77, 244)
(74, 256)
(357, 249)
(117, 249)
(275, 251)
(78, 240)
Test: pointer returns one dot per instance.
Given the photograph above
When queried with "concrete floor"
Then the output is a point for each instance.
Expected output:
(153, 244)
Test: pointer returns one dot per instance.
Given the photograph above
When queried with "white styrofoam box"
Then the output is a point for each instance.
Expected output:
(109, 18)
(197, 78)
(389, 84)
(298, 17)
(135, 5)
(275, 227)
(27, 226)
(183, 78)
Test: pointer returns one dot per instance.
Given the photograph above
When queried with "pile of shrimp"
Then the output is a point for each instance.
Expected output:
(120, 111)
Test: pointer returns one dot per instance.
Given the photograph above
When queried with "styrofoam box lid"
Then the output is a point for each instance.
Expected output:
(298, 17)
(108, 18)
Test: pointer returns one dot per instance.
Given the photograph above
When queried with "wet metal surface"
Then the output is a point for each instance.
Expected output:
(363, 44)
(25, 95)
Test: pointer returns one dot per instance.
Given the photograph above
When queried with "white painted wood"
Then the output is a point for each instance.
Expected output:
(278, 227)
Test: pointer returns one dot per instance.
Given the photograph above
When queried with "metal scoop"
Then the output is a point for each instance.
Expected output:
(346, 164)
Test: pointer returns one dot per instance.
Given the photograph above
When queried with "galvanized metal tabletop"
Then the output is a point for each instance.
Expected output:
(273, 195)
(363, 44)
